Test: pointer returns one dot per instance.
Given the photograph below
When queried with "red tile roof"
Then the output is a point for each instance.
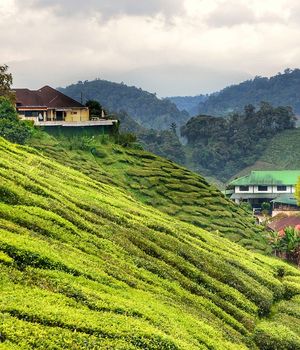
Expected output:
(281, 224)
(44, 97)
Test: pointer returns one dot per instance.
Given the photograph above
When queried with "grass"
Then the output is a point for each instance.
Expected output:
(159, 183)
(84, 264)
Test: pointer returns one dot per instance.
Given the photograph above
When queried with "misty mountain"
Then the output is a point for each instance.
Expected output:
(144, 107)
(282, 89)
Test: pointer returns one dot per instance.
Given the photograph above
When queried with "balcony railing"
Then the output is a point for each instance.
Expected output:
(100, 122)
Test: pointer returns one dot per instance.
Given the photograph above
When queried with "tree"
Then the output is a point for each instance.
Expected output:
(222, 147)
(249, 110)
(286, 244)
(266, 207)
(95, 108)
(173, 127)
(11, 127)
(5, 83)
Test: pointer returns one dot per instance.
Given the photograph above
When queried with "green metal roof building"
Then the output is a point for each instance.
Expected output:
(285, 199)
(272, 178)
(276, 187)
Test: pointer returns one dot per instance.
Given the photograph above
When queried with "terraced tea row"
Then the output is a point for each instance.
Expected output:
(161, 184)
(84, 264)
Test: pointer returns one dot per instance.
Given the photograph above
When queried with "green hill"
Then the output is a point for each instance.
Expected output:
(282, 152)
(220, 147)
(145, 107)
(279, 90)
(84, 265)
(157, 182)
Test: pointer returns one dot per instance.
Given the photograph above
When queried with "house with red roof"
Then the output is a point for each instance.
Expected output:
(49, 107)
(280, 224)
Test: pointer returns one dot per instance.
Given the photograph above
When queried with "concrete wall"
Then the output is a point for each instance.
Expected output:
(77, 115)
(286, 212)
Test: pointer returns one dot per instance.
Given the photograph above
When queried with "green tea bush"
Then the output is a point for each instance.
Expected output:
(127, 167)
(98, 153)
(274, 336)
(85, 264)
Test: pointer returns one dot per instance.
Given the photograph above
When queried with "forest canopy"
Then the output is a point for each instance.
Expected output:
(223, 146)
(282, 89)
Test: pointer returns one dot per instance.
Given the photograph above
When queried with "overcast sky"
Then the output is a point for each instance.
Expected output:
(172, 47)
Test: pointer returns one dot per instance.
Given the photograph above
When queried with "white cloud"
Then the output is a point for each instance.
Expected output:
(231, 13)
(205, 45)
(108, 8)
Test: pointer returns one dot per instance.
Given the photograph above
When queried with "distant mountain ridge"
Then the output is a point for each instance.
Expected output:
(144, 107)
(282, 89)
(188, 103)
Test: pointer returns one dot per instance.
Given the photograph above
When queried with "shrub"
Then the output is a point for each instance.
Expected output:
(11, 127)
(126, 139)
(98, 153)
(274, 336)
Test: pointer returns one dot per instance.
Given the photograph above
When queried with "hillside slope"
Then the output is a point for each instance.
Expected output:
(83, 265)
(279, 90)
(146, 108)
(282, 152)
(157, 182)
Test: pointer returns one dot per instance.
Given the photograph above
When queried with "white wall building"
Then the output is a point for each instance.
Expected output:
(266, 186)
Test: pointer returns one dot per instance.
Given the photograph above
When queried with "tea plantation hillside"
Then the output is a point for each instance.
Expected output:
(157, 182)
(83, 265)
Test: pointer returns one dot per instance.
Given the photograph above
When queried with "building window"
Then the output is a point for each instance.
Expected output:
(73, 112)
(262, 188)
(244, 188)
(32, 113)
(281, 188)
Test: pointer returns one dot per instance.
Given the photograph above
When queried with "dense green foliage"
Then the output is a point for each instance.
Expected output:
(11, 128)
(157, 182)
(188, 103)
(143, 106)
(282, 152)
(286, 244)
(280, 90)
(95, 108)
(164, 143)
(84, 265)
(5, 83)
(222, 147)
